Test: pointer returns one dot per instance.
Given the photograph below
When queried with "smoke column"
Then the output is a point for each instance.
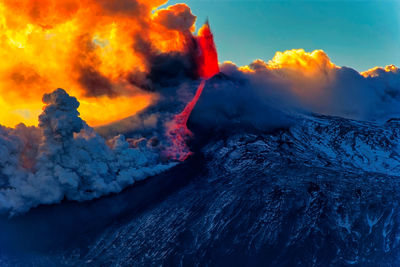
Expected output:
(207, 63)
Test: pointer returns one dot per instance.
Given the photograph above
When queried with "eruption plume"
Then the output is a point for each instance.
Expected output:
(207, 63)
(91, 47)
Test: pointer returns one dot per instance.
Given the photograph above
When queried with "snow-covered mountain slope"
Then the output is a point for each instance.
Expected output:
(323, 192)
(352, 145)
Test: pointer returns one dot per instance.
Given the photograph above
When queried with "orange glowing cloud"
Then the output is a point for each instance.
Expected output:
(299, 60)
(304, 72)
(86, 47)
(296, 60)
(374, 72)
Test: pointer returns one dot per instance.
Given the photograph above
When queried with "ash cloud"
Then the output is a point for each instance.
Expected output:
(126, 7)
(171, 69)
(100, 50)
(165, 69)
(94, 83)
(177, 17)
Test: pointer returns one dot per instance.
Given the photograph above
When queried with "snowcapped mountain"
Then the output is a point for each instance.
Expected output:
(320, 192)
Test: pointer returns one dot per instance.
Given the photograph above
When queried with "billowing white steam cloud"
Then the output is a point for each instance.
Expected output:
(312, 82)
(65, 158)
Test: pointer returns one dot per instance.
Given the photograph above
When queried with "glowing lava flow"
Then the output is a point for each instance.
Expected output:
(207, 62)
(178, 132)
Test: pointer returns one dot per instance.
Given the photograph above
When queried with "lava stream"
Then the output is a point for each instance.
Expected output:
(178, 132)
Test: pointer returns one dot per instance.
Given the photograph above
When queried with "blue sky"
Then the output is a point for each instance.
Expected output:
(354, 33)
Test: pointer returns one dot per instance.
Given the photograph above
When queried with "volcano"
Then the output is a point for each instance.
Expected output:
(154, 153)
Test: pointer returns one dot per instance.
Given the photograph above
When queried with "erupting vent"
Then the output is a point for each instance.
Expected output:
(208, 58)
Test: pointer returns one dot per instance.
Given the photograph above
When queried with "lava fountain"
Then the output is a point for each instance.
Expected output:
(207, 59)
